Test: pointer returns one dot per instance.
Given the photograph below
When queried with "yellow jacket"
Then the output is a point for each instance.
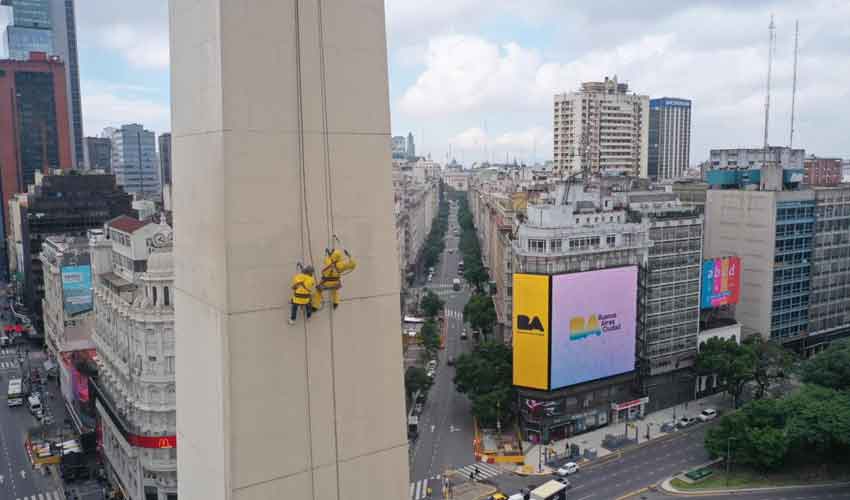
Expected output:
(302, 288)
(336, 264)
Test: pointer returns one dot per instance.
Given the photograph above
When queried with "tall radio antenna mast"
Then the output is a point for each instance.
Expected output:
(794, 85)
(770, 45)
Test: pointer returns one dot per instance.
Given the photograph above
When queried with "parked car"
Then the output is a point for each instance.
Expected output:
(686, 421)
(418, 408)
(707, 414)
(564, 481)
(567, 469)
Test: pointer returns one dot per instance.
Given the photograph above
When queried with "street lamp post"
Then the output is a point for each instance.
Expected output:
(728, 458)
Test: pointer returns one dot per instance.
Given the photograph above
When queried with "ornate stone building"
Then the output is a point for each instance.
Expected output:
(134, 333)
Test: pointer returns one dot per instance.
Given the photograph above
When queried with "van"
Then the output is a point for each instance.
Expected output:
(34, 403)
(456, 284)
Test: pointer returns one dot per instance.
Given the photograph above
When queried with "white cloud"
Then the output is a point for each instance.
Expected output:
(712, 54)
(466, 73)
(525, 145)
(140, 47)
(103, 104)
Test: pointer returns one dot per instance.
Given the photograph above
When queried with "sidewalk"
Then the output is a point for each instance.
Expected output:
(655, 420)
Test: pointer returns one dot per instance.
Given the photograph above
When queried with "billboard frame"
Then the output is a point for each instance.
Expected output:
(549, 284)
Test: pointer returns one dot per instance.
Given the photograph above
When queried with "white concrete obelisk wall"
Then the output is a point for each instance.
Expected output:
(267, 410)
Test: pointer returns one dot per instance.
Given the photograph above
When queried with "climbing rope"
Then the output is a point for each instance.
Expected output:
(304, 224)
(331, 231)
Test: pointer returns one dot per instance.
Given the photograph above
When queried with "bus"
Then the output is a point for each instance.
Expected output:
(15, 396)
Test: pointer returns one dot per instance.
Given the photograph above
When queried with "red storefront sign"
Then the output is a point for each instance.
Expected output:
(630, 404)
(152, 441)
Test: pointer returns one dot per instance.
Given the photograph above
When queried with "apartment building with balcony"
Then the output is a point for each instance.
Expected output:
(601, 128)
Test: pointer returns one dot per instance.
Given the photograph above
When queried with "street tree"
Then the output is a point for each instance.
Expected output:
(733, 363)
(772, 362)
(480, 312)
(415, 379)
(485, 376)
(748, 433)
(830, 368)
(429, 333)
(432, 304)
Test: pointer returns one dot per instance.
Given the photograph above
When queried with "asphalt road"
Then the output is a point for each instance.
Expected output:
(630, 472)
(445, 426)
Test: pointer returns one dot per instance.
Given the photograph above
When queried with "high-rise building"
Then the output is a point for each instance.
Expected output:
(411, 147)
(34, 125)
(47, 26)
(68, 320)
(399, 147)
(669, 137)
(134, 161)
(754, 158)
(57, 205)
(165, 158)
(64, 26)
(97, 153)
(583, 242)
(794, 246)
(822, 171)
(601, 128)
(669, 296)
(135, 397)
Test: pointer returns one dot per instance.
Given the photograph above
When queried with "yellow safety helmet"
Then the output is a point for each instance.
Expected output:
(336, 255)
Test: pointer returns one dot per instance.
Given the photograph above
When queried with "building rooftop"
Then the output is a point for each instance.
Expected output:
(127, 224)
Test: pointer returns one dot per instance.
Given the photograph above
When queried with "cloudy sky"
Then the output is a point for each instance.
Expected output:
(479, 75)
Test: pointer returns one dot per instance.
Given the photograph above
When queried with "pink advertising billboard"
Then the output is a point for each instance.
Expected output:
(593, 325)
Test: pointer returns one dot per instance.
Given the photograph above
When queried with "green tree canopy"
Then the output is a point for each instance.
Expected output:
(771, 362)
(813, 423)
(415, 379)
(830, 368)
(480, 312)
(732, 362)
(485, 376)
(430, 336)
(432, 304)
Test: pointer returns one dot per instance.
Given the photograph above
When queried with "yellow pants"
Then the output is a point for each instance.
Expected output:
(318, 298)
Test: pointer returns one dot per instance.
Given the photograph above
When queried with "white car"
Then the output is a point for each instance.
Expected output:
(707, 414)
(568, 469)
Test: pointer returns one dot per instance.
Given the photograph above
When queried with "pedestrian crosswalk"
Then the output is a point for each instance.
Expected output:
(485, 471)
(452, 314)
(7, 351)
(8, 365)
(419, 489)
(49, 495)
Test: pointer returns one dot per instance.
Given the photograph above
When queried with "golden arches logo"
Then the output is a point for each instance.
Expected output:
(164, 443)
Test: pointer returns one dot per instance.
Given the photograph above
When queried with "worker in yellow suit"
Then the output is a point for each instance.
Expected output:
(337, 264)
(303, 286)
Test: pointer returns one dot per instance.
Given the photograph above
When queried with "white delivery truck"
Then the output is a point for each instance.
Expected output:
(552, 490)
(15, 396)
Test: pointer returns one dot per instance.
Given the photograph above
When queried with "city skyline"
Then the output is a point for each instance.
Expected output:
(487, 84)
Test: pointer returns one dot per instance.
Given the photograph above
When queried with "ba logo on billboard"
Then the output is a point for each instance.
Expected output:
(531, 324)
(593, 325)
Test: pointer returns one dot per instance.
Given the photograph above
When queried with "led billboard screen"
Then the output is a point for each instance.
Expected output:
(76, 287)
(593, 325)
(531, 331)
(721, 282)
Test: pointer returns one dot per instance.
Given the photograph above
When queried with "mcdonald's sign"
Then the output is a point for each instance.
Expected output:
(158, 442)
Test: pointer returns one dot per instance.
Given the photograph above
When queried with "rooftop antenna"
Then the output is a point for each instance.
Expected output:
(794, 85)
(771, 43)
